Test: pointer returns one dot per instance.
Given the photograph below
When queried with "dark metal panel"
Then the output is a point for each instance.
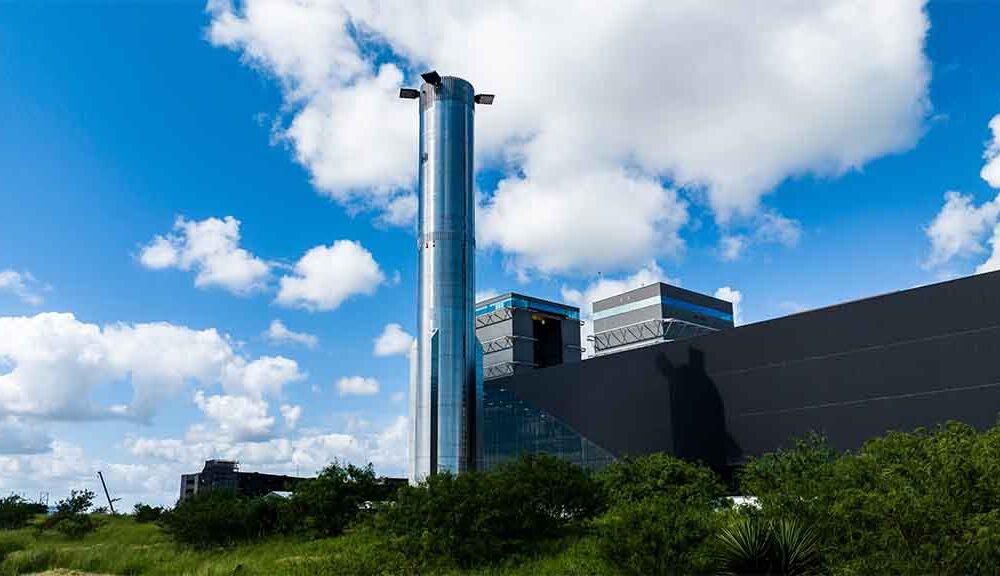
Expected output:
(914, 358)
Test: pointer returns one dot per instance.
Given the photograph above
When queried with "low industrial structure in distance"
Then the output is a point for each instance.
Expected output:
(226, 475)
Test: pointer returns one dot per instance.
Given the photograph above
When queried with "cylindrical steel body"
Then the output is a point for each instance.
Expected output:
(444, 396)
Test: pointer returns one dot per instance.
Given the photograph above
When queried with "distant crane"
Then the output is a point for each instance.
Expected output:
(111, 502)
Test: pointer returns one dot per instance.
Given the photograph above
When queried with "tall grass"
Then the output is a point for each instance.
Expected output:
(122, 546)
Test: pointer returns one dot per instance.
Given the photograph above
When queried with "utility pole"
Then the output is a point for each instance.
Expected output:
(111, 503)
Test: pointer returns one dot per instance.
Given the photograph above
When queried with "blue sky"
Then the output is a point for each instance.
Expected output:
(118, 118)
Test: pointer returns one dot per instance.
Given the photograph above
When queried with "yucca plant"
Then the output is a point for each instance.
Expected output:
(751, 545)
(795, 547)
(743, 546)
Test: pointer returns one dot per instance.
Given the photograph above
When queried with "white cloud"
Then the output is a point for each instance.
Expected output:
(327, 275)
(732, 295)
(18, 436)
(57, 364)
(305, 454)
(590, 221)
(357, 386)
(991, 171)
(993, 262)
(393, 341)
(22, 285)
(291, 414)
(67, 466)
(810, 88)
(766, 228)
(605, 288)
(486, 294)
(211, 248)
(239, 418)
(265, 376)
(398, 397)
(960, 228)
(278, 333)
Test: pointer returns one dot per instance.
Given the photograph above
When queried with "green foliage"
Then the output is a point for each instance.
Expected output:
(748, 544)
(659, 534)
(906, 503)
(16, 512)
(213, 518)
(79, 502)
(144, 513)
(329, 503)
(631, 480)
(71, 518)
(476, 517)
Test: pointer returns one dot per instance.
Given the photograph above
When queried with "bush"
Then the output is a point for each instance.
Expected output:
(477, 517)
(658, 535)
(71, 518)
(632, 480)
(144, 513)
(921, 502)
(329, 503)
(16, 512)
(217, 518)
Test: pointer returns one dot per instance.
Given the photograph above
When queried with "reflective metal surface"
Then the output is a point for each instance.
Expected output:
(445, 397)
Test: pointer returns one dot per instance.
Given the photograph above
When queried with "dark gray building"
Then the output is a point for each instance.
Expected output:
(915, 358)
(226, 475)
(520, 333)
(656, 313)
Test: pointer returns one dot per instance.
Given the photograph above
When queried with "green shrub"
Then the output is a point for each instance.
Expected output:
(71, 518)
(631, 480)
(921, 502)
(206, 519)
(658, 535)
(144, 513)
(477, 517)
(328, 504)
(16, 512)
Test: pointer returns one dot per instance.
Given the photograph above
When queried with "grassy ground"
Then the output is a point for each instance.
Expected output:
(121, 546)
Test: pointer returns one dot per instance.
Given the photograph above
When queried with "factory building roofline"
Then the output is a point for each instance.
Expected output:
(515, 300)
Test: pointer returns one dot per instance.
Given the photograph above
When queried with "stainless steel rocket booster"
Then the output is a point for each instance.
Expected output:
(445, 387)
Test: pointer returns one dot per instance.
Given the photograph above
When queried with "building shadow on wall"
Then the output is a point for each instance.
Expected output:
(698, 422)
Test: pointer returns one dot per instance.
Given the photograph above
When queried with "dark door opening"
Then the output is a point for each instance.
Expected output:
(547, 333)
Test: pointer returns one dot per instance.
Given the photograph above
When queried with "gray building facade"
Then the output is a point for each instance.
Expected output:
(520, 333)
(656, 313)
(899, 361)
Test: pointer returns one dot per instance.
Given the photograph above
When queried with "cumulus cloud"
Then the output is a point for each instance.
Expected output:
(393, 341)
(327, 275)
(211, 248)
(606, 287)
(278, 333)
(306, 453)
(18, 436)
(732, 295)
(66, 465)
(238, 418)
(22, 285)
(961, 227)
(291, 414)
(991, 171)
(584, 222)
(57, 364)
(810, 88)
(357, 386)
